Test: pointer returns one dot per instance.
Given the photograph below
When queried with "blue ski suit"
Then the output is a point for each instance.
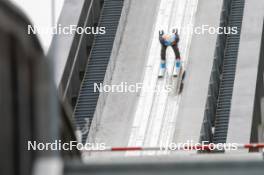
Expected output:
(169, 40)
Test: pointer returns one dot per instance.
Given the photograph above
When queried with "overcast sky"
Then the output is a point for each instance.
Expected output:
(39, 12)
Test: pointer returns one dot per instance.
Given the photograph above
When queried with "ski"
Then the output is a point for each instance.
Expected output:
(180, 79)
(182, 82)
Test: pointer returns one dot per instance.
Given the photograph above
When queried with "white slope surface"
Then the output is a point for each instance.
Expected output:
(156, 113)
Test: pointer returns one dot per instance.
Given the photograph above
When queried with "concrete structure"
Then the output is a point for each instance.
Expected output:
(114, 125)
(191, 113)
(116, 113)
(70, 52)
(245, 114)
(113, 119)
(170, 165)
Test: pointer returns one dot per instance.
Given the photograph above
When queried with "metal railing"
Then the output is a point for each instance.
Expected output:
(97, 65)
(222, 75)
(210, 110)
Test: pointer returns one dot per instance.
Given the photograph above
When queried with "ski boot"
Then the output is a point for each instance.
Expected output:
(162, 69)
(177, 68)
